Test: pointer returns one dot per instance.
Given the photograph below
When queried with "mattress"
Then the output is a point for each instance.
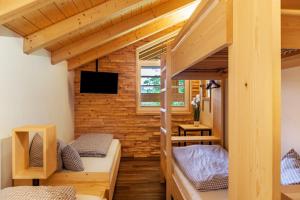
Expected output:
(191, 193)
(101, 164)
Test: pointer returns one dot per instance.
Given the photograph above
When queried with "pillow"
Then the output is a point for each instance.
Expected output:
(39, 192)
(36, 151)
(71, 159)
(290, 168)
(60, 146)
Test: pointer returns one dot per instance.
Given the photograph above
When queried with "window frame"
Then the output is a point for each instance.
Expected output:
(156, 109)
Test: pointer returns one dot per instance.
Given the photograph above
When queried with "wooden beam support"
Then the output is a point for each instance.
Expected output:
(55, 32)
(13, 9)
(254, 101)
(176, 19)
(118, 30)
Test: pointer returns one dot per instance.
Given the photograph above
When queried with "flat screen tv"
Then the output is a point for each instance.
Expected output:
(99, 82)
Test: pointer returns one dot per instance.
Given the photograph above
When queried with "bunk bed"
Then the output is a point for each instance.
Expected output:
(238, 41)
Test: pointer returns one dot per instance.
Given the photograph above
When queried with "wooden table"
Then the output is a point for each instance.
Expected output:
(191, 128)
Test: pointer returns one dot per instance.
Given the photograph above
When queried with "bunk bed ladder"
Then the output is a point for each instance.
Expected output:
(166, 127)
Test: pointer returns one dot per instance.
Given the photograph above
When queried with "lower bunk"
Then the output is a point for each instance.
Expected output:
(182, 189)
(99, 175)
(200, 172)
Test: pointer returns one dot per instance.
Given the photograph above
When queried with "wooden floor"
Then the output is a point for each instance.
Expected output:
(139, 180)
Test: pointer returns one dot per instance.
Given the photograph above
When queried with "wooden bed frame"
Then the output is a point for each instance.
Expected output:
(90, 183)
(238, 40)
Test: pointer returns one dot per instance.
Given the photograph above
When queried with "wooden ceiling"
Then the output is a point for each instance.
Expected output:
(80, 31)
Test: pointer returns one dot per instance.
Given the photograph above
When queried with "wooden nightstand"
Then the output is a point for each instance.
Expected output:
(20, 152)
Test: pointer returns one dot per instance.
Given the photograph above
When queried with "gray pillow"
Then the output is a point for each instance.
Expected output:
(36, 151)
(71, 159)
(60, 146)
(290, 168)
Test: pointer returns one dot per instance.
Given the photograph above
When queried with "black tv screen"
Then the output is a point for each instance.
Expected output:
(99, 82)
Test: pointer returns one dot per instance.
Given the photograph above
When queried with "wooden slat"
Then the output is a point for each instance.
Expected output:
(55, 32)
(291, 12)
(13, 9)
(117, 30)
(128, 39)
(153, 54)
(195, 139)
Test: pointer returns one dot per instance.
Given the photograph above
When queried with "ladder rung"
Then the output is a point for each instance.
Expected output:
(163, 70)
(165, 152)
(163, 130)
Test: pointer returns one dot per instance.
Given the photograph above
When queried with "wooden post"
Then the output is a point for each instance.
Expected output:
(254, 101)
(168, 100)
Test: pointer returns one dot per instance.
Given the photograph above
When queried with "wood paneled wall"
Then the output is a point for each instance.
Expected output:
(116, 114)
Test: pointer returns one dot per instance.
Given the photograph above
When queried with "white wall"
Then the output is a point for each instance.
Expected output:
(290, 132)
(32, 91)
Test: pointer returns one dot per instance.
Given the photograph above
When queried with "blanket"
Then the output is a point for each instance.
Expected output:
(206, 166)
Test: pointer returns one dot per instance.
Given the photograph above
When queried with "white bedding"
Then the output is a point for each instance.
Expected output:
(191, 193)
(101, 164)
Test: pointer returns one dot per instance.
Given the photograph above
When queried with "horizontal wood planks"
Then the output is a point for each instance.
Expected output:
(116, 114)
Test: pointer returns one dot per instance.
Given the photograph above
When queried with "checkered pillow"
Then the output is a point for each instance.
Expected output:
(60, 146)
(71, 159)
(38, 193)
(36, 151)
(290, 168)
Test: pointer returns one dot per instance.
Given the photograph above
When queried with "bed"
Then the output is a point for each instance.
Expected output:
(99, 175)
(188, 191)
(200, 172)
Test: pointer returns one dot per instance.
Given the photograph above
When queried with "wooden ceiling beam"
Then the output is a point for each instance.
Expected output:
(115, 45)
(12, 9)
(118, 30)
(167, 25)
(55, 32)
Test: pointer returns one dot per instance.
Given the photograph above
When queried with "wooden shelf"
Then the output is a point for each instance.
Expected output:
(20, 152)
(31, 173)
(195, 139)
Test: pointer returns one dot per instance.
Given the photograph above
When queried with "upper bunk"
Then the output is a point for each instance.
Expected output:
(200, 51)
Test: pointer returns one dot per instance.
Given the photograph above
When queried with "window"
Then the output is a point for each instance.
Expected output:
(149, 89)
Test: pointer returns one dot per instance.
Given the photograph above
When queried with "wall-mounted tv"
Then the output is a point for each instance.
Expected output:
(99, 82)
